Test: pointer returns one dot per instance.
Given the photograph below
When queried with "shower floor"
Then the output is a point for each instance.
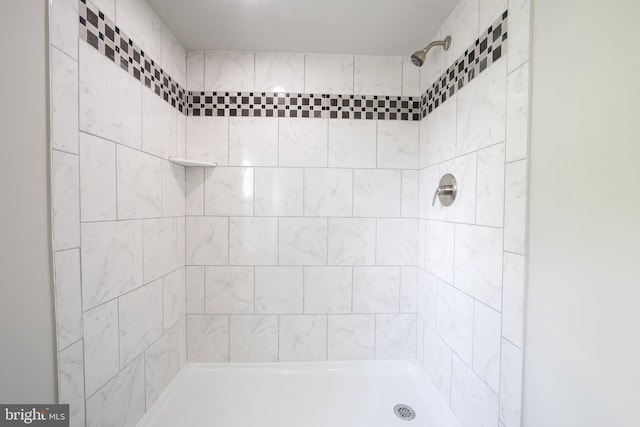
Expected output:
(342, 394)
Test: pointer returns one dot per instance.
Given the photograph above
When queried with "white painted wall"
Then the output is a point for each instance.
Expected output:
(27, 343)
(583, 324)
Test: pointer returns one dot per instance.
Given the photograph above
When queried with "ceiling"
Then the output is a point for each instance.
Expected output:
(373, 27)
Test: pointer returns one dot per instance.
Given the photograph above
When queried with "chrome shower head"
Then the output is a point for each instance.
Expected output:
(418, 57)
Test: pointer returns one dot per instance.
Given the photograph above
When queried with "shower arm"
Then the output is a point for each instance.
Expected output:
(444, 43)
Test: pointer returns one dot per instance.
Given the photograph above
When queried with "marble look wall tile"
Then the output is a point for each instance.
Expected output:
(194, 190)
(422, 242)
(410, 78)
(352, 241)
(279, 191)
(376, 289)
(437, 363)
(518, 114)
(195, 71)
(140, 320)
(328, 192)
(490, 186)
(515, 210)
(253, 241)
(433, 65)
(352, 143)
(397, 242)
(108, 7)
(279, 290)
(100, 346)
(440, 250)
(138, 19)
(229, 71)
(64, 96)
(97, 178)
(208, 338)
(328, 290)
(377, 193)
(173, 189)
(71, 382)
(194, 290)
(163, 246)
(182, 341)
(173, 295)
(478, 263)
(112, 261)
(472, 402)
(455, 320)
(351, 337)
(429, 181)
(489, 11)
(181, 140)
(409, 289)
(513, 298)
(254, 338)
(121, 402)
(482, 109)
(229, 290)
(438, 142)
(410, 193)
(420, 343)
(463, 210)
(207, 241)
(395, 337)
(253, 141)
(378, 75)
(325, 73)
(110, 100)
(519, 32)
(303, 338)
(63, 27)
(303, 241)
(398, 143)
(159, 130)
(174, 60)
(139, 184)
(303, 142)
(65, 200)
(510, 385)
(208, 139)
(462, 26)
(68, 297)
(428, 298)
(161, 365)
(228, 191)
(486, 345)
(279, 72)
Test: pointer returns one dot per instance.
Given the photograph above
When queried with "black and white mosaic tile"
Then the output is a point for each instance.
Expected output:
(101, 33)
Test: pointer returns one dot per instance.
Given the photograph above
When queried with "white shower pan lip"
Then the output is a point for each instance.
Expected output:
(313, 394)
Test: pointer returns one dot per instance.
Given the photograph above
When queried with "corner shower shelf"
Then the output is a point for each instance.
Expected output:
(187, 162)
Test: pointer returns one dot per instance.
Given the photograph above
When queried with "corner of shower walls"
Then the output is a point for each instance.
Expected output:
(118, 207)
(472, 260)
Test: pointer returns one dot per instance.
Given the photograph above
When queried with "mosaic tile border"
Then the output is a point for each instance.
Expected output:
(101, 33)
(486, 50)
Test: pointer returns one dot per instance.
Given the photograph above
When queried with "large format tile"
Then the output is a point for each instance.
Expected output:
(409, 289)
(478, 263)
(328, 290)
(328, 192)
(410, 193)
(194, 190)
(207, 241)
(110, 100)
(195, 71)
(515, 207)
(173, 189)
(228, 191)
(174, 60)
(513, 298)
(254, 338)
(325, 73)
(410, 78)
(352, 241)
(97, 178)
(486, 345)
(63, 26)
(376, 289)
(490, 186)
(439, 257)
(207, 338)
(173, 295)
(71, 382)
(140, 320)
(164, 249)
(279, 72)
(139, 21)
(64, 98)
(464, 169)
(472, 402)
(279, 191)
(303, 241)
(462, 26)
(519, 33)
(229, 290)
(437, 362)
(253, 241)
(428, 298)
(510, 385)
(489, 11)
(208, 139)
(65, 200)
(438, 140)
(518, 114)
(68, 297)
(303, 338)
(455, 320)
(139, 184)
(101, 353)
(395, 337)
(377, 193)
(112, 260)
(303, 142)
(279, 290)
(351, 337)
(397, 242)
(253, 141)
(159, 125)
(227, 71)
(161, 365)
(194, 290)
(352, 143)
(378, 75)
(398, 143)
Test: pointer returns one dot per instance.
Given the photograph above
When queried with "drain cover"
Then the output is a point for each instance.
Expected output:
(404, 412)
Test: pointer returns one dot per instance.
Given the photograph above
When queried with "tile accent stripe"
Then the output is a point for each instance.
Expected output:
(486, 50)
(101, 33)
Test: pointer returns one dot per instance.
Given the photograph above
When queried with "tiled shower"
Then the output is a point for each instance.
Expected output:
(314, 238)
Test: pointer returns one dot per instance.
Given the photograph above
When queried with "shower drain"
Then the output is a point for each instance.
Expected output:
(404, 412)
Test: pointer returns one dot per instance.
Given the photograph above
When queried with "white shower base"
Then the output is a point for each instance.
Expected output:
(341, 394)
